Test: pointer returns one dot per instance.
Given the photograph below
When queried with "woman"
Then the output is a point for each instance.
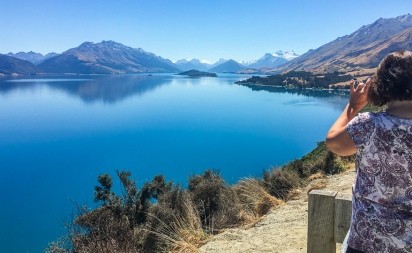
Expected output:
(382, 192)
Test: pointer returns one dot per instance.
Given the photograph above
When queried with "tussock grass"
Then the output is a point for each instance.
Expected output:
(255, 198)
(183, 233)
(280, 182)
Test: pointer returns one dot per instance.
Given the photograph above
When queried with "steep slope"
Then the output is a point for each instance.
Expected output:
(230, 66)
(11, 65)
(107, 57)
(362, 49)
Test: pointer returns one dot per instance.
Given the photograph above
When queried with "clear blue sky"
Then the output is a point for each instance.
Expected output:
(177, 29)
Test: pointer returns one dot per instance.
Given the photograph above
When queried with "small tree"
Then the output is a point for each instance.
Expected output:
(103, 192)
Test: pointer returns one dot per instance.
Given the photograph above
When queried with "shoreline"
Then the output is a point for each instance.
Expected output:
(290, 88)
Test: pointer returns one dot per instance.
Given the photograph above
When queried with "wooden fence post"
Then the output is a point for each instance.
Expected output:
(343, 212)
(321, 222)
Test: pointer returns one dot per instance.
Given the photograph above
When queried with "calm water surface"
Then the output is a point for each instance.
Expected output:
(57, 134)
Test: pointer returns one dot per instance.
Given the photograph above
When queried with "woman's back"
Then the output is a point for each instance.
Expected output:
(382, 204)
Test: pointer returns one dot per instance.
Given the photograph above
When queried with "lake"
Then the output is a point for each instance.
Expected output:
(58, 133)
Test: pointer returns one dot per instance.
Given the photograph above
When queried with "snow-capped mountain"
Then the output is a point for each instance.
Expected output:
(247, 63)
(288, 55)
(219, 62)
(274, 59)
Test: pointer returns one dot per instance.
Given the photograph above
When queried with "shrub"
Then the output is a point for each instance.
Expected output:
(217, 203)
(206, 191)
(321, 159)
(229, 213)
(117, 225)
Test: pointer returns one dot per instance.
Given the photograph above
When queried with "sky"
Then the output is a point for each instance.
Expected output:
(208, 30)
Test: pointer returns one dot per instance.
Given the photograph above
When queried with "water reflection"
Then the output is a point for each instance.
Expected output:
(107, 88)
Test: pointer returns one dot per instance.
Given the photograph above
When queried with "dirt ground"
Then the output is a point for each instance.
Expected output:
(281, 230)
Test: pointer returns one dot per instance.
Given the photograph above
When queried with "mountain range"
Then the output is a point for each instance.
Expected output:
(35, 58)
(109, 57)
(268, 60)
(361, 49)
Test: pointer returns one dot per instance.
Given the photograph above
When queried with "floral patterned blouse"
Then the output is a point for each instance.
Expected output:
(382, 192)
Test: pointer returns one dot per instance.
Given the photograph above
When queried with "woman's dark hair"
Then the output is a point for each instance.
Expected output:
(393, 79)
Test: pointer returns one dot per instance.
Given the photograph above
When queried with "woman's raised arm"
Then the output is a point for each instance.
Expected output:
(338, 139)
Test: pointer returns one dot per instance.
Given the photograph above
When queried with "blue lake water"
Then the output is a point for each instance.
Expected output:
(58, 133)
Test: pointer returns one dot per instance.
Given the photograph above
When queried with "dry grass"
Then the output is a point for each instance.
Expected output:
(280, 182)
(315, 176)
(184, 234)
(256, 197)
(318, 185)
(294, 194)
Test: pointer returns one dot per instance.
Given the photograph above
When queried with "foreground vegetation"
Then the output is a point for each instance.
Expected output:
(165, 217)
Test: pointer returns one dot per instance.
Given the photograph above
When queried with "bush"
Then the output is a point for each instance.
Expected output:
(217, 203)
(321, 159)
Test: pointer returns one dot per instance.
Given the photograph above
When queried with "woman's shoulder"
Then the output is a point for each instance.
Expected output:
(365, 117)
(370, 116)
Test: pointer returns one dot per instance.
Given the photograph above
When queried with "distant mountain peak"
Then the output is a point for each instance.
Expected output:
(33, 57)
(187, 60)
(274, 59)
(190, 64)
(86, 44)
(230, 66)
(111, 42)
(404, 18)
(288, 55)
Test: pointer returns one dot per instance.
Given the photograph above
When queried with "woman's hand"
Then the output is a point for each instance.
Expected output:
(358, 97)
